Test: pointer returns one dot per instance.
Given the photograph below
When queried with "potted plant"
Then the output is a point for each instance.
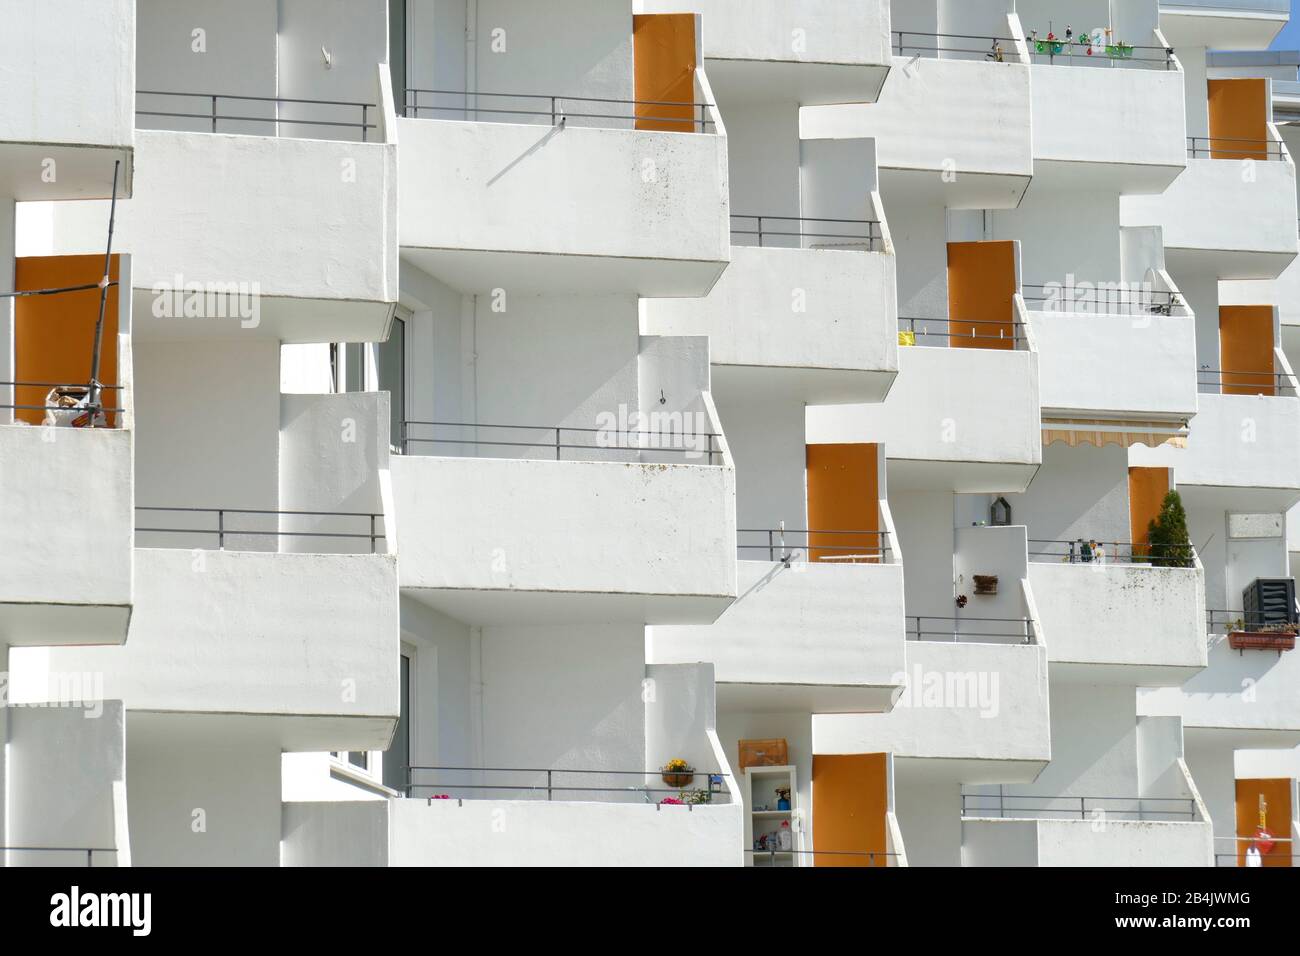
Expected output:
(678, 773)
(1168, 543)
(1267, 637)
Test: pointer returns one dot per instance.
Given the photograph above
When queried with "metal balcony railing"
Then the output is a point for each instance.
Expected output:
(861, 858)
(211, 110)
(80, 851)
(1112, 552)
(1224, 147)
(954, 629)
(553, 783)
(955, 46)
(1003, 805)
(1082, 51)
(557, 109)
(558, 442)
(214, 526)
(1221, 621)
(1103, 298)
(74, 410)
(1218, 382)
(963, 333)
(793, 231)
(788, 546)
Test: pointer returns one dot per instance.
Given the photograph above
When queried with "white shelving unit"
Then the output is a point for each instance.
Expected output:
(764, 817)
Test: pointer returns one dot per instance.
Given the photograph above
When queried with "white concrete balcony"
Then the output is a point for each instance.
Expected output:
(1154, 819)
(1119, 620)
(636, 528)
(68, 86)
(836, 343)
(809, 51)
(1085, 842)
(1147, 357)
(569, 197)
(1232, 216)
(957, 128)
(207, 222)
(416, 832)
(1115, 123)
(967, 419)
(971, 704)
(303, 646)
(1249, 694)
(1236, 442)
(66, 784)
(1223, 24)
(815, 636)
(66, 520)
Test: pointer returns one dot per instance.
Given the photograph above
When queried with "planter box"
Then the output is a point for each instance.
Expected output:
(1256, 641)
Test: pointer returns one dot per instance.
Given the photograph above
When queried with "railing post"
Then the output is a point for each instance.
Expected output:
(557, 444)
(548, 784)
(771, 553)
(760, 231)
(214, 113)
(221, 530)
(553, 110)
(90, 855)
(364, 123)
(372, 534)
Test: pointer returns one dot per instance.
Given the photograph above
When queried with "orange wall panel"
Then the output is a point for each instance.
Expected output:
(981, 287)
(663, 48)
(55, 334)
(1246, 349)
(843, 495)
(1277, 795)
(850, 795)
(1147, 488)
(1239, 115)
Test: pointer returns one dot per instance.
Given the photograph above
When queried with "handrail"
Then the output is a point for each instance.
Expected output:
(713, 781)
(1072, 552)
(995, 51)
(1101, 298)
(1273, 150)
(921, 633)
(1260, 383)
(214, 116)
(1115, 54)
(374, 535)
(779, 549)
(970, 811)
(559, 115)
(89, 851)
(873, 237)
(773, 854)
(681, 441)
(1018, 336)
(80, 411)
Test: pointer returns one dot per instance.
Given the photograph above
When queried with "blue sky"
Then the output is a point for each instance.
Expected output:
(1289, 38)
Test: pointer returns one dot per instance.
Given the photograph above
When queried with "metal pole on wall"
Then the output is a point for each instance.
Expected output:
(95, 402)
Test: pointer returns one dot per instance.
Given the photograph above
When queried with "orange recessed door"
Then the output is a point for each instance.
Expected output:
(1147, 488)
(1276, 811)
(663, 49)
(850, 795)
(981, 290)
(54, 335)
(844, 496)
(1239, 115)
(1246, 349)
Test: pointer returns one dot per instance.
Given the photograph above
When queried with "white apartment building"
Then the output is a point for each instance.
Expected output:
(648, 433)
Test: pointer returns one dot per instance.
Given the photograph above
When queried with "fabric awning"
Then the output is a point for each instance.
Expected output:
(1099, 432)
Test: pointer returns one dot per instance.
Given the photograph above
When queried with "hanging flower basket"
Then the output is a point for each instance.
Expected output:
(678, 773)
